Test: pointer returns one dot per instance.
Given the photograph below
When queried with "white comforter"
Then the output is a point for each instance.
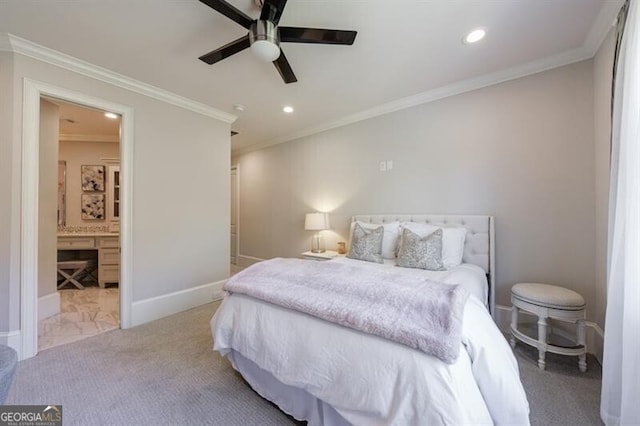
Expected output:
(373, 381)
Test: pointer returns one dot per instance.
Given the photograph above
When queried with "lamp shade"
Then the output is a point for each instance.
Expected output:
(316, 221)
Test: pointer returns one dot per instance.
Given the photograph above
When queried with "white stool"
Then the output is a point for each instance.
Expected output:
(549, 301)
(76, 267)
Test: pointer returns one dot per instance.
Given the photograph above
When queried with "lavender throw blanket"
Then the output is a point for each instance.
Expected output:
(417, 312)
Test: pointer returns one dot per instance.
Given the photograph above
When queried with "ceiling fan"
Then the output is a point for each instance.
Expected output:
(265, 36)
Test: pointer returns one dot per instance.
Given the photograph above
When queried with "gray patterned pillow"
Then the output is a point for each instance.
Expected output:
(423, 253)
(366, 244)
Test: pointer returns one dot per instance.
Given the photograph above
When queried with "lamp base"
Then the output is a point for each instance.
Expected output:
(317, 245)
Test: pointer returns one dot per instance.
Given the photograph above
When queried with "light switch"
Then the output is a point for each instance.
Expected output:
(389, 165)
(383, 166)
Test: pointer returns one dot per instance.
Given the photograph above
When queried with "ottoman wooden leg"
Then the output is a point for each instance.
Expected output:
(514, 324)
(582, 359)
(542, 342)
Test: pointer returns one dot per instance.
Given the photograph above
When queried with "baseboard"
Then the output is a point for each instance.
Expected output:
(595, 340)
(13, 339)
(48, 305)
(246, 261)
(158, 307)
(594, 334)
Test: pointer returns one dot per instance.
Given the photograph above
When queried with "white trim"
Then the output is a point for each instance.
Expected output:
(237, 253)
(565, 58)
(503, 318)
(12, 339)
(48, 305)
(595, 335)
(27, 48)
(29, 228)
(5, 43)
(88, 138)
(596, 36)
(601, 26)
(32, 92)
(158, 307)
(595, 340)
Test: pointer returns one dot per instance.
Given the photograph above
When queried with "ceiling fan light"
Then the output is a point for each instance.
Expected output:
(263, 37)
(265, 50)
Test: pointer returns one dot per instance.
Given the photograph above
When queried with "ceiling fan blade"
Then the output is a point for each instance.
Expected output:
(316, 35)
(283, 67)
(229, 11)
(226, 50)
(272, 10)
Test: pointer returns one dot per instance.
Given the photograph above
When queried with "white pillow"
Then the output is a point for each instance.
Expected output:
(390, 239)
(452, 240)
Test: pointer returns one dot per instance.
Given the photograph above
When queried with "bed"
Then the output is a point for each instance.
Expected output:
(329, 373)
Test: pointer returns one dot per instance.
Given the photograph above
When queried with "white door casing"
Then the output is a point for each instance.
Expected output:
(234, 215)
(32, 92)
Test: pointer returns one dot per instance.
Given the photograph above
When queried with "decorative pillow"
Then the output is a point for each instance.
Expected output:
(452, 240)
(366, 244)
(421, 252)
(390, 238)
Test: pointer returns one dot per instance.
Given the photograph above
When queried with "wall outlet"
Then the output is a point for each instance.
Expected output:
(383, 166)
(389, 165)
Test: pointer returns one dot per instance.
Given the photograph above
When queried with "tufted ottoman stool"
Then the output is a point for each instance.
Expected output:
(549, 301)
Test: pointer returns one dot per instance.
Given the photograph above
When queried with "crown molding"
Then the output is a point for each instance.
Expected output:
(68, 137)
(602, 25)
(598, 32)
(555, 61)
(5, 43)
(12, 43)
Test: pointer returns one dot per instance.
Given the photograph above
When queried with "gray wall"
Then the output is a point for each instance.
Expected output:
(602, 75)
(180, 228)
(522, 151)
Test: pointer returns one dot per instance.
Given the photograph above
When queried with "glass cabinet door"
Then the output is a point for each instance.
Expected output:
(113, 198)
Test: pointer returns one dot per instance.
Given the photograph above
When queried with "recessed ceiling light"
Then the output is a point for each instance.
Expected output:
(111, 115)
(288, 109)
(474, 36)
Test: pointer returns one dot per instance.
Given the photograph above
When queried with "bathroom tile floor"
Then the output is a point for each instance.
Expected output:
(83, 313)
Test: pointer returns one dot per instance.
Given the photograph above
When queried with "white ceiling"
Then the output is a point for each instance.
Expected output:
(406, 51)
(79, 123)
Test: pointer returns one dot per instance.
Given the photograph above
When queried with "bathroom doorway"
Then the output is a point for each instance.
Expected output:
(81, 298)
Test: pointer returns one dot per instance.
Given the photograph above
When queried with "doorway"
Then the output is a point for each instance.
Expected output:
(33, 92)
(235, 214)
(81, 273)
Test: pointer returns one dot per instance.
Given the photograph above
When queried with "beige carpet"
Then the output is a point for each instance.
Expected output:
(165, 373)
(161, 373)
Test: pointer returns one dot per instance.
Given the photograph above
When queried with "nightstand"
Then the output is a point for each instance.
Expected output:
(326, 255)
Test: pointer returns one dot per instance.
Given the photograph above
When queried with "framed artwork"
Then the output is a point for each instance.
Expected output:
(92, 206)
(92, 178)
(62, 193)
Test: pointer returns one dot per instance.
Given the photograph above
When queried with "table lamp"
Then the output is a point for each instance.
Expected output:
(316, 222)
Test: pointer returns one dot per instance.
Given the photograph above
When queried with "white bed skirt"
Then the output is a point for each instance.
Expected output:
(296, 402)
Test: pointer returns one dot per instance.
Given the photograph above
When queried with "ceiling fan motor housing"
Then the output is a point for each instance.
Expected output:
(263, 36)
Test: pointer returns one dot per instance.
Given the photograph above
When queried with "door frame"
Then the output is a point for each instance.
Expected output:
(32, 92)
(236, 167)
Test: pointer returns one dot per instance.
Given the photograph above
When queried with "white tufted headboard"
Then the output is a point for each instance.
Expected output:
(479, 245)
